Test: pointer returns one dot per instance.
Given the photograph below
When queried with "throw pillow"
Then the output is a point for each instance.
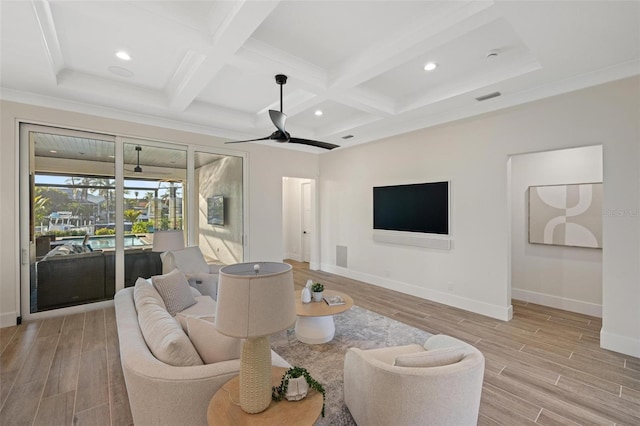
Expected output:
(162, 333)
(174, 290)
(144, 292)
(191, 259)
(432, 358)
(212, 346)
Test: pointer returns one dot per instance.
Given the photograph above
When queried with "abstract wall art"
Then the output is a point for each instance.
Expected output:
(566, 215)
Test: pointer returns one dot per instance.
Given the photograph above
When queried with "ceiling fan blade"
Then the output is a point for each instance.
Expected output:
(251, 140)
(278, 118)
(325, 145)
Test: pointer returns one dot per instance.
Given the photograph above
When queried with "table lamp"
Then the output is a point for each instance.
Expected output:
(255, 300)
(171, 240)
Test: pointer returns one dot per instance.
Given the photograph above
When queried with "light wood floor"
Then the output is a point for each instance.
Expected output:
(543, 367)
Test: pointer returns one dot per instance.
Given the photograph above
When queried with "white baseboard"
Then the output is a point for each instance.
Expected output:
(622, 344)
(294, 256)
(8, 319)
(558, 302)
(494, 311)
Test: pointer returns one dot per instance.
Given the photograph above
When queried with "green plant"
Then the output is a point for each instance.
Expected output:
(279, 392)
(317, 288)
(105, 231)
(140, 227)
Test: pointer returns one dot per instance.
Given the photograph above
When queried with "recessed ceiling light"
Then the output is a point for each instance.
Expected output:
(430, 66)
(318, 112)
(121, 54)
(53, 151)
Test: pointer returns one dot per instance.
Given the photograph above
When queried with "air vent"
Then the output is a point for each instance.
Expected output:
(489, 96)
(347, 137)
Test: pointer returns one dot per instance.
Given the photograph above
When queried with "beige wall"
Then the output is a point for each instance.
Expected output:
(221, 177)
(473, 155)
(267, 165)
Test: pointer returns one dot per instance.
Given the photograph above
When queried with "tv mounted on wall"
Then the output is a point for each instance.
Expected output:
(421, 207)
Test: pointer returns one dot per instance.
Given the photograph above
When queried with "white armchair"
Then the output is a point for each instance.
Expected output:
(201, 275)
(378, 391)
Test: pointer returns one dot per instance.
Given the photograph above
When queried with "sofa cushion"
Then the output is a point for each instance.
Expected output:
(212, 346)
(174, 290)
(204, 308)
(162, 333)
(431, 358)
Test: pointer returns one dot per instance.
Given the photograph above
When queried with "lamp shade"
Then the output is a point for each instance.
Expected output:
(168, 240)
(255, 299)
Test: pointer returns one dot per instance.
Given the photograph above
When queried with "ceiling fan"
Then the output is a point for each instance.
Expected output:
(279, 119)
(138, 169)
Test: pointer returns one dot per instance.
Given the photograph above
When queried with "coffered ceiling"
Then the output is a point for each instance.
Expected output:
(209, 66)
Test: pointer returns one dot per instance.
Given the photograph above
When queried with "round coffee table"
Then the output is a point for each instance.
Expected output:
(315, 320)
(224, 408)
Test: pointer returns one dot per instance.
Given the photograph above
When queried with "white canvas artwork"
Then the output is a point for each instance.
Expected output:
(568, 215)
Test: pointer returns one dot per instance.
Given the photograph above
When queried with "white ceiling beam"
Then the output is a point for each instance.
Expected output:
(42, 10)
(242, 20)
(526, 65)
(365, 100)
(388, 54)
(258, 54)
(346, 126)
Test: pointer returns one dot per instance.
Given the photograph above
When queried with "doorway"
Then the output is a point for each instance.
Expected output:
(556, 275)
(299, 225)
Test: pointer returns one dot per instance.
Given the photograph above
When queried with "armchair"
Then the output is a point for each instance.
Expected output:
(379, 392)
(201, 275)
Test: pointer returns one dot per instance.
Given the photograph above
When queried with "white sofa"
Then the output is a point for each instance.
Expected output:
(161, 394)
(379, 392)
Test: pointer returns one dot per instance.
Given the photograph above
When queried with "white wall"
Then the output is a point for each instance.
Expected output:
(473, 154)
(267, 165)
(568, 278)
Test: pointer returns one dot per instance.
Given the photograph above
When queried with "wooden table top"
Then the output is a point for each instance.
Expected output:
(224, 408)
(321, 309)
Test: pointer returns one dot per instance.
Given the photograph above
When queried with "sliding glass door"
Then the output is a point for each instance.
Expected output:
(90, 205)
(67, 196)
(154, 190)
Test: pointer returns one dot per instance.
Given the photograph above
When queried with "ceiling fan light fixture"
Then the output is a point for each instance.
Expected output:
(138, 169)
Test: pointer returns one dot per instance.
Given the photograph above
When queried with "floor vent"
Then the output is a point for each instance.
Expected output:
(341, 256)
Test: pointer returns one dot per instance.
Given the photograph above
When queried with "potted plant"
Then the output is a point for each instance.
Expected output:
(290, 388)
(317, 290)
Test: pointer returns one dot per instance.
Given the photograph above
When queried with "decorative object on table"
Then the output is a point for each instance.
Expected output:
(566, 215)
(291, 378)
(305, 297)
(317, 290)
(171, 240)
(334, 300)
(255, 301)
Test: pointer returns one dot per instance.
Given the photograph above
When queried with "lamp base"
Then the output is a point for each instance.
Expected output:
(255, 375)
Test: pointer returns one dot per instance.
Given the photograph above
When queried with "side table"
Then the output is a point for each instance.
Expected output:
(224, 408)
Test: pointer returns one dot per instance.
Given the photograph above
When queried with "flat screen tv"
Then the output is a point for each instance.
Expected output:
(421, 207)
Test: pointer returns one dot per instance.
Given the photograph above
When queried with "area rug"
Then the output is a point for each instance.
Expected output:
(355, 328)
